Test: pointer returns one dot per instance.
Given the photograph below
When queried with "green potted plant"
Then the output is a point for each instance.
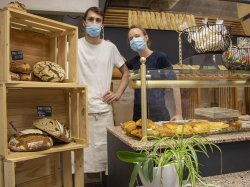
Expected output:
(165, 164)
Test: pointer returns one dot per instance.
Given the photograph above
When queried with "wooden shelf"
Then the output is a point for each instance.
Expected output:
(34, 84)
(23, 156)
(41, 39)
(115, 17)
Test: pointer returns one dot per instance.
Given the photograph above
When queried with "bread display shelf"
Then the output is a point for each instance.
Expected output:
(23, 156)
(38, 39)
(19, 105)
(31, 84)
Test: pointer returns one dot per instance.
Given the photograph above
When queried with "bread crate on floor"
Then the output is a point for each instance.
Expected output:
(36, 39)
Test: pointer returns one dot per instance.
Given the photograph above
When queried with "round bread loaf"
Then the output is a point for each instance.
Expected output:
(48, 71)
(17, 5)
(30, 140)
(20, 67)
(53, 128)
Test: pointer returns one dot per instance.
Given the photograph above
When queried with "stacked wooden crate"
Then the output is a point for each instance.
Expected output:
(40, 39)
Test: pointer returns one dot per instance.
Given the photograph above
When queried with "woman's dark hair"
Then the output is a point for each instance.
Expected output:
(96, 10)
(143, 31)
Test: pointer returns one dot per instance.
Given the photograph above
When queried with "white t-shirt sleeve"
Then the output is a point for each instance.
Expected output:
(117, 58)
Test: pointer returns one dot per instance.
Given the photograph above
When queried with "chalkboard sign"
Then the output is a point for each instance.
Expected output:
(17, 55)
(44, 111)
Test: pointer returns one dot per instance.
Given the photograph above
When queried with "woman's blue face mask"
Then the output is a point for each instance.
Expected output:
(93, 30)
(137, 44)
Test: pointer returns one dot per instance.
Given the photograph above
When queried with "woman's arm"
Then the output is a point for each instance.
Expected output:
(178, 109)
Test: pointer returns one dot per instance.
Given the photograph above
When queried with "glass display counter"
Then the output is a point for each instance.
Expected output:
(216, 96)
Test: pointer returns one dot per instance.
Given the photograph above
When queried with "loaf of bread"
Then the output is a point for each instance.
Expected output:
(14, 76)
(53, 128)
(17, 5)
(20, 67)
(25, 76)
(49, 71)
(30, 140)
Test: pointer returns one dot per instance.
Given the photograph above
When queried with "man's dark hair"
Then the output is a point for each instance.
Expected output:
(96, 10)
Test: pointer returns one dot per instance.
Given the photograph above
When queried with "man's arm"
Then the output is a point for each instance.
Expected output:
(110, 96)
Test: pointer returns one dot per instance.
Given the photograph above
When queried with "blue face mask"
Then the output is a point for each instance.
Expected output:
(93, 30)
(137, 44)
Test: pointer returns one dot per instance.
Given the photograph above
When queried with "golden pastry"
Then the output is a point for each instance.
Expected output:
(218, 125)
(128, 126)
(166, 132)
(201, 127)
(139, 122)
(184, 129)
(150, 132)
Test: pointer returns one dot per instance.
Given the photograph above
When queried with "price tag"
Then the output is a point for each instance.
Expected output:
(44, 111)
(17, 55)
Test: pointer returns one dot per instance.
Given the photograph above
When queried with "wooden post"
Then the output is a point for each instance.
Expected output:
(9, 174)
(58, 170)
(67, 172)
(143, 98)
(79, 176)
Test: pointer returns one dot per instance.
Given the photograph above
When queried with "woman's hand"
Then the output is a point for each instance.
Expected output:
(176, 117)
(109, 97)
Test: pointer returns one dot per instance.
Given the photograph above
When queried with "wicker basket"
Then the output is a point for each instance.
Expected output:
(237, 58)
(208, 38)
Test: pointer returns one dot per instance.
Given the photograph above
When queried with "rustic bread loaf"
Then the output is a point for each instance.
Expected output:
(49, 71)
(53, 128)
(30, 140)
(20, 67)
(14, 76)
(25, 76)
(17, 5)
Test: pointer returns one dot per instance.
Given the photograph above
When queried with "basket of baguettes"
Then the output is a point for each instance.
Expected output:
(173, 128)
(208, 37)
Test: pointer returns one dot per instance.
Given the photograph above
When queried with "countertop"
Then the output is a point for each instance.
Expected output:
(138, 145)
(239, 179)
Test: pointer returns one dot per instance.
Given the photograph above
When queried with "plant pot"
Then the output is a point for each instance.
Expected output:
(167, 175)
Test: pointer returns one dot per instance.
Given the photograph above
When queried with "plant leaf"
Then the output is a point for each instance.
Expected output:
(130, 157)
(134, 175)
(147, 170)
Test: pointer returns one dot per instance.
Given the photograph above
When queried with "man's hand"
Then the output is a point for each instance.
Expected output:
(109, 97)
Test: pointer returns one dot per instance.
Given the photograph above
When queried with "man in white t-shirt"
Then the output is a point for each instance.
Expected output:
(96, 59)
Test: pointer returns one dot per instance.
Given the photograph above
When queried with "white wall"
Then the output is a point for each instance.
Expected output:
(78, 6)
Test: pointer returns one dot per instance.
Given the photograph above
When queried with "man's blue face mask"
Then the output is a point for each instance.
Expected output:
(137, 44)
(93, 30)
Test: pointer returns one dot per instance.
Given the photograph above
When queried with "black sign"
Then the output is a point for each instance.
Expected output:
(17, 55)
(44, 111)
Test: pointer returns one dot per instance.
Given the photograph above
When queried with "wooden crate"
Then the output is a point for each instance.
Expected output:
(39, 39)
(53, 170)
(19, 105)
